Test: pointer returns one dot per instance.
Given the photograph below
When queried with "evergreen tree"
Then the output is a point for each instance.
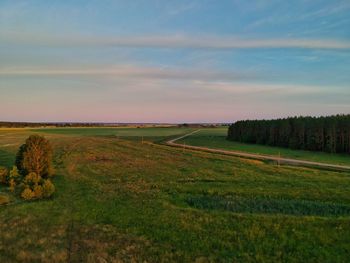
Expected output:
(35, 156)
(329, 134)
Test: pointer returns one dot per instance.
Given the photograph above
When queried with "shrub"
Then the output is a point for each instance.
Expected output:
(13, 179)
(48, 188)
(14, 174)
(40, 188)
(28, 194)
(35, 156)
(32, 179)
(3, 175)
(38, 191)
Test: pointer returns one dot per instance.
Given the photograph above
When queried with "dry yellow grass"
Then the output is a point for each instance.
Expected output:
(251, 161)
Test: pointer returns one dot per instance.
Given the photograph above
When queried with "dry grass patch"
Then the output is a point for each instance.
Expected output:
(103, 243)
(26, 240)
(251, 161)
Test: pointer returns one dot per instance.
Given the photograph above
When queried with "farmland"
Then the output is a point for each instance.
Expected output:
(119, 199)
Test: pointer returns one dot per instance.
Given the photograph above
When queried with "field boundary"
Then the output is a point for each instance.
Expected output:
(261, 157)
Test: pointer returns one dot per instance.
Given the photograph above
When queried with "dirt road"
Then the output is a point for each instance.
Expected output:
(275, 159)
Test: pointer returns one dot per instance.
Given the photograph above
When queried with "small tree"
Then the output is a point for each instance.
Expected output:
(14, 178)
(35, 156)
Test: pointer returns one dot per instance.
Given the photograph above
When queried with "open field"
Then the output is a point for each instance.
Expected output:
(119, 199)
(149, 134)
(216, 139)
(129, 132)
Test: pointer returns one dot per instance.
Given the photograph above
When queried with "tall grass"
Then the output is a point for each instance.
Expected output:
(268, 205)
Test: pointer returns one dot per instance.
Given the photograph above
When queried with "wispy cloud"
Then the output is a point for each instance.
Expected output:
(286, 17)
(213, 81)
(133, 72)
(260, 90)
(135, 93)
(174, 41)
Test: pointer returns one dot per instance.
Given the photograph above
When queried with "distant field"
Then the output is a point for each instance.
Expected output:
(152, 134)
(216, 138)
(122, 201)
(12, 138)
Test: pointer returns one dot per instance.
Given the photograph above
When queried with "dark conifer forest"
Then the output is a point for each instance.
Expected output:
(328, 134)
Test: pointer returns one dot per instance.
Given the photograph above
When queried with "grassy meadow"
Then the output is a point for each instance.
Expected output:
(120, 200)
(216, 138)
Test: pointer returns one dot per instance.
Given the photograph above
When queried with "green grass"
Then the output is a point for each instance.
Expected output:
(122, 200)
(150, 134)
(268, 205)
(7, 159)
(216, 138)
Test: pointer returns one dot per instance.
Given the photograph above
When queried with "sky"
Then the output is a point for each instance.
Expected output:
(173, 61)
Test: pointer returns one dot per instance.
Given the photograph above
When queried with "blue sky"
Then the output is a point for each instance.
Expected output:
(173, 61)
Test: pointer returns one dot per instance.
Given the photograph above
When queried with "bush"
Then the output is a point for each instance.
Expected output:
(32, 179)
(28, 194)
(38, 191)
(48, 188)
(14, 174)
(14, 178)
(40, 188)
(36, 188)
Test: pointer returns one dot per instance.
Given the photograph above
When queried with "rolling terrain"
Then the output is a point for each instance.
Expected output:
(121, 198)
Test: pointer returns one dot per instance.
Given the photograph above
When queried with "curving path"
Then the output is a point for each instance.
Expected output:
(276, 159)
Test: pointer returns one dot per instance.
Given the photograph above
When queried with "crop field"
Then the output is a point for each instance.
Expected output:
(120, 200)
(216, 139)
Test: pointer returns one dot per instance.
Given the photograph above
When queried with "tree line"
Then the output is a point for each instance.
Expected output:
(8, 124)
(328, 134)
